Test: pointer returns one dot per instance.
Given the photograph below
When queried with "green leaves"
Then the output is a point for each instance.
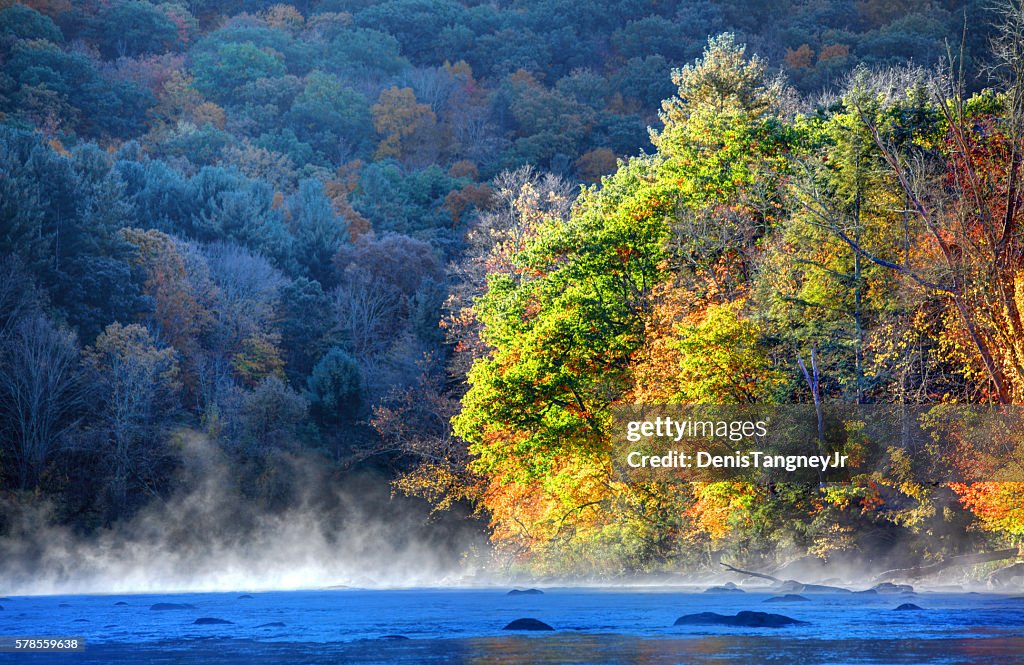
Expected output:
(567, 324)
(563, 333)
(220, 72)
(724, 360)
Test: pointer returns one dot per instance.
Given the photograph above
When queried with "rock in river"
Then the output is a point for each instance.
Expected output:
(788, 598)
(171, 606)
(525, 592)
(527, 624)
(744, 619)
(889, 587)
(725, 588)
(211, 621)
(792, 586)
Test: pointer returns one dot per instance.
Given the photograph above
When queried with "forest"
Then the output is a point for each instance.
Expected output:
(438, 242)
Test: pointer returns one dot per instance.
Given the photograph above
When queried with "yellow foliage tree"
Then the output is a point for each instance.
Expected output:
(398, 118)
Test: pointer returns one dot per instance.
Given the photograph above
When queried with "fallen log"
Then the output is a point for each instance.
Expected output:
(751, 573)
(918, 572)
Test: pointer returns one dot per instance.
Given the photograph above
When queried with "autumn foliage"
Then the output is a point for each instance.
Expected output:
(707, 273)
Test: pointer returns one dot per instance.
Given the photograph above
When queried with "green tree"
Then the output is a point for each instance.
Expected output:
(724, 360)
(24, 22)
(304, 324)
(128, 28)
(561, 327)
(221, 72)
(417, 24)
(335, 387)
(272, 418)
(318, 232)
(726, 152)
(332, 117)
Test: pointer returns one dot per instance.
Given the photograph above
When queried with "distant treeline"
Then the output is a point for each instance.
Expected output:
(288, 91)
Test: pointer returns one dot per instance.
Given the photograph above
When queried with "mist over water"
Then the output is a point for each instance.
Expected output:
(324, 531)
(210, 538)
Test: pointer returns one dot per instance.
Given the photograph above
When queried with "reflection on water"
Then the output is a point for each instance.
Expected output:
(567, 648)
(737, 650)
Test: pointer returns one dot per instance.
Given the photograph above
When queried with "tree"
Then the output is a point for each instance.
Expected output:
(244, 211)
(138, 384)
(285, 17)
(407, 201)
(128, 28)
(304, 324)
(272, 419)
(64, 89)
(221, 72)
(366, 51)
(258, 359)
(339, 190)
(813, 285)
(723, 360)
(801, 58)
(63, 213)
(724, 80)
(24, 22)
(181, 293)
(417, 24)
(594, 164)
(561, 325)
(394, 259)
(335, 387)
(964, 247)
(331, 117)
(726, 153)
(42, 394)
(319, 234)
(657, 35)
(416, 421)
(548, 123)
(403, 123)
(367, 311)
(523, 200)
(261, 164)
(998, 505)
(248, 292)
(20, 297)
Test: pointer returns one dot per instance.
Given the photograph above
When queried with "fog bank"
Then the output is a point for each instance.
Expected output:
(209, 537)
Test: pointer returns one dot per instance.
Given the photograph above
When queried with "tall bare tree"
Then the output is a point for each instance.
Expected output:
(139, 388)
(41, 394)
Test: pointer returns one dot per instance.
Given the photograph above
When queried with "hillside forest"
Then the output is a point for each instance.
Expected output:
(431, 244)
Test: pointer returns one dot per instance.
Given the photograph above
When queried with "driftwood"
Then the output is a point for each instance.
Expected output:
(917, 572)
(751, 573)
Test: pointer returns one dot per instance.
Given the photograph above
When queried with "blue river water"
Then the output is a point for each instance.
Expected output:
(592, 625)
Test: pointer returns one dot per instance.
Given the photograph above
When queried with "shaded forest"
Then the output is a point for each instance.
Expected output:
(438, 241)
